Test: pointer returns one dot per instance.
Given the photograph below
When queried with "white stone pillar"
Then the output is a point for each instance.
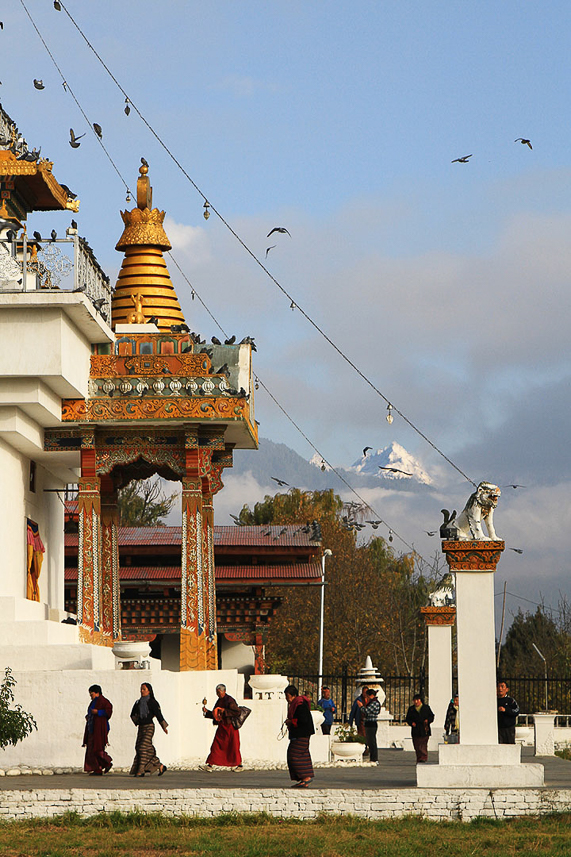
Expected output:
(439, 621)
(544, 734)
(478, 761)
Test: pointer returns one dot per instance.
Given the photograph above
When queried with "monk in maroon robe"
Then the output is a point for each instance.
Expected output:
(97, 761)
(225, 750)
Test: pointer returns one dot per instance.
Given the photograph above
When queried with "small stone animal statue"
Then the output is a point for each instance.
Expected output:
(448, 528)
(138, 316)
(480, 507)
(443, 595)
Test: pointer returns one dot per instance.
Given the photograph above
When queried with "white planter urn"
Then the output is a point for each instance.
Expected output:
(268, 686)
(348, 750)
(131, 650)
(318, 718)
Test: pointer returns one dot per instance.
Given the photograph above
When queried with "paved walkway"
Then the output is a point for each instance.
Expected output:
(396, 770)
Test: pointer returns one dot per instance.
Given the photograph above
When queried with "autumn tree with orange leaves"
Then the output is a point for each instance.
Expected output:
(372, 596)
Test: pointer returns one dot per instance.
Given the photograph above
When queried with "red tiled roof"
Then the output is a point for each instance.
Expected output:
(256, 536)
(295, 571)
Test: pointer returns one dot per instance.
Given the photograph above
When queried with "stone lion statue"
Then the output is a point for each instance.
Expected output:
(480, 507)
(443, 594)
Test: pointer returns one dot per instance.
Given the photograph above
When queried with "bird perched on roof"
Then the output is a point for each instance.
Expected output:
(279, 481)
(144, 162)
(394, 470)
(230, 341)
(73, 140)
(281, 229)
(71, 195)
(37, 236)
(98, 303)
(215, 341)
(39, 84)
(180, 328)
(154, 320)
(524, 142)
(98, 130)
(30, 156)
(224, 370)
(249, 340)
(73, 222)
(365, 451)
(236, 520)
(462, 160)
(53, 235)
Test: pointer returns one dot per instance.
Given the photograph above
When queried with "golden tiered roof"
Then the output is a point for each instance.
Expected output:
(144, 289)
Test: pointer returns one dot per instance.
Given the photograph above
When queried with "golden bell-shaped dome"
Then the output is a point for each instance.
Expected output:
(144, 289)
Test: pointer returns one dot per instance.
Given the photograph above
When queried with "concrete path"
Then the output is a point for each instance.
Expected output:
(396, 770)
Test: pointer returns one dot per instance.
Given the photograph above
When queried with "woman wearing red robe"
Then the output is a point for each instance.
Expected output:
(97, 761)
(225, 750)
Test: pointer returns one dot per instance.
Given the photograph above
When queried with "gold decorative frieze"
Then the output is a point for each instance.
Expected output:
(99, 410)
(111, 365)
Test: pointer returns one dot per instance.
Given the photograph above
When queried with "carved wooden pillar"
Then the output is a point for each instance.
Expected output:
(110, 587)
(89, 547)
(209, 591)
(192, 637)
(259, 653)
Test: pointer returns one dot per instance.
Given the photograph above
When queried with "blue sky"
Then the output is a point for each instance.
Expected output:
(447, 283)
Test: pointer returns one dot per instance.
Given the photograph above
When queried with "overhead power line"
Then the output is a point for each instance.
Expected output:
(243, 244)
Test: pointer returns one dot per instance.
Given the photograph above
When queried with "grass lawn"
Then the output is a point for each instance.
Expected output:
(262, 836)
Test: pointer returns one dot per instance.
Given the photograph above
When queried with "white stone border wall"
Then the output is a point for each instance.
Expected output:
(442, 804)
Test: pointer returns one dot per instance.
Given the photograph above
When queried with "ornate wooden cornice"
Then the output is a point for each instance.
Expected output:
(472, 556)
(439, 615)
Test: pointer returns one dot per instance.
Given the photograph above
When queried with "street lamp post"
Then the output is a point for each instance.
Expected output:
(326, 553)
(545, 668)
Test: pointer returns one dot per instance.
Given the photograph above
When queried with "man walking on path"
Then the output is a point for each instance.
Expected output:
(508, 710)
(329, 710)
(356, 715)
(419, 717)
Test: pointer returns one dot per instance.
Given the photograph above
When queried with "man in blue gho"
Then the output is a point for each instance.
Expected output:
(329, 710)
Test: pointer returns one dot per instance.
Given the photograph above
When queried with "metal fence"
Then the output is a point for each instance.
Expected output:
(533, 693)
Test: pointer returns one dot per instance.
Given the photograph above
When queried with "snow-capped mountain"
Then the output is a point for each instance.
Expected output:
(317, 461)
(399, 464)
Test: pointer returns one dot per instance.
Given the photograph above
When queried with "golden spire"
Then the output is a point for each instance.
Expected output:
(144, 288)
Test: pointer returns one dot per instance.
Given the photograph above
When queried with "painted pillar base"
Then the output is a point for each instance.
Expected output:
(544, 734)
(479, 766)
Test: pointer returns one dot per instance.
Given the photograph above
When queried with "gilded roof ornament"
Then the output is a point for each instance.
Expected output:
(143, 224)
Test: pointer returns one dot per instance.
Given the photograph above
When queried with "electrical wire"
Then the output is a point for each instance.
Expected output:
(68, 88)
(243, 244)
(339, 475)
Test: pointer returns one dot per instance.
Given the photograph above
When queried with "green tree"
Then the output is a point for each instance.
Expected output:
(143, 503)
(15, 723)
(372, 596)
(519, 658)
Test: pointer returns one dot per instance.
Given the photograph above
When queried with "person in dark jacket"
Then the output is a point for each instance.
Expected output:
(143, 712)
(369, 712)
(355, 715)
(419, 717)
(508, 710)
(452, 722)
(300, 728)
(97, 761)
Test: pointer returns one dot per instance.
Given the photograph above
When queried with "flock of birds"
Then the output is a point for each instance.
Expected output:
(466, 158)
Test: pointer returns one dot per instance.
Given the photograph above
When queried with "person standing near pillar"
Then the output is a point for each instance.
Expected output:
(329, 710)
(508, 710)
(97, 761)
(369, 712)
(419, 717)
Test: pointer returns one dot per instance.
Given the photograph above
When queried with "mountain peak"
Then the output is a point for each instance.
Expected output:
(392, 462)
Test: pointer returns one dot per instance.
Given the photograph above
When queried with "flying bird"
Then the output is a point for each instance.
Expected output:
(374, 524)
(281, 229)
(279, 481)
(513, 486)
(268, 250)
(524, 142)
(428, 533)
(39, 84)
(365, 451)
(394, 470)
(98, 130)
(516, 550)
(73, 140)
(462, 160)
